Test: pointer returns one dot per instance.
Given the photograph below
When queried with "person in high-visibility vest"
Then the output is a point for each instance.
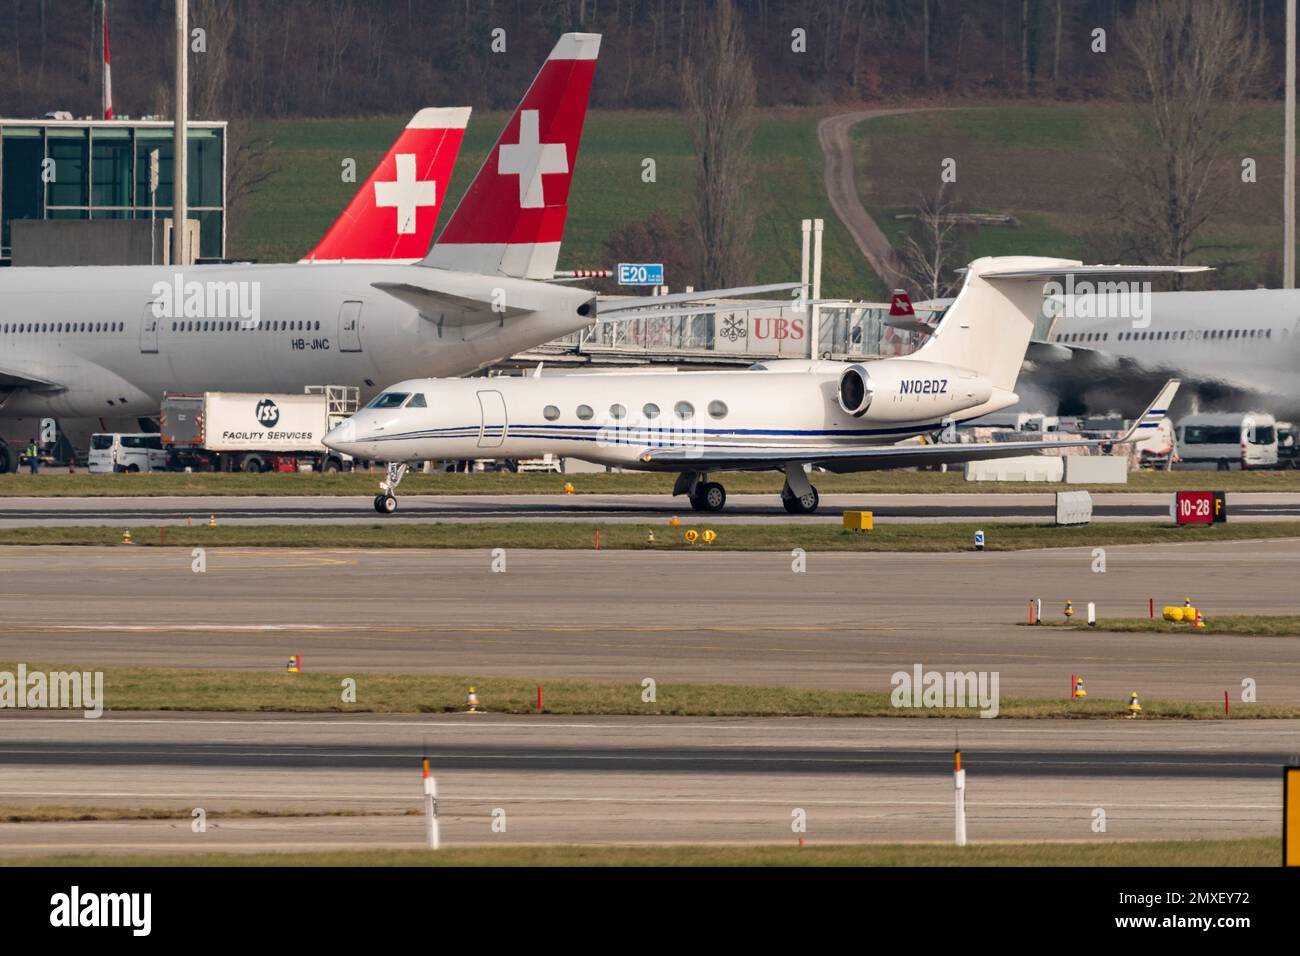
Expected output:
(33, 457)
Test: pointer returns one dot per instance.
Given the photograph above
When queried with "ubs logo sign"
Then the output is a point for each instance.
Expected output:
(268, 413)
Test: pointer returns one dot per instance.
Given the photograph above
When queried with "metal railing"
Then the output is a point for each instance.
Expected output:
(752, 331)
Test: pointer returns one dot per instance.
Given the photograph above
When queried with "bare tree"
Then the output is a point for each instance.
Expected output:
(718, 91)
(210, 70)
(1194, 62)
(935, 246)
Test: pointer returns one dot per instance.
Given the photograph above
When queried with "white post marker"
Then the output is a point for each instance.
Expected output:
(430, 808)
(815, 319)
(1092, 614)
(806, 227)
(959, 781)
(1038, 610)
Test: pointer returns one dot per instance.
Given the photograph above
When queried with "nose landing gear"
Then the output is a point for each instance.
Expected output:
(386, 500)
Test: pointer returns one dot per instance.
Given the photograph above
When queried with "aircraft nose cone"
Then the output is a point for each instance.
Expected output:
(342, 434)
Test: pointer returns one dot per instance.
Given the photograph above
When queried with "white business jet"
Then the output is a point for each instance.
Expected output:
(780, 416)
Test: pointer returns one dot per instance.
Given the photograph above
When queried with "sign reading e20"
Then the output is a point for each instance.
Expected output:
(640, 273)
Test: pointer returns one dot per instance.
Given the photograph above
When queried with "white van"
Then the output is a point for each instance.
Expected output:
(1227, 441)
(137, 451)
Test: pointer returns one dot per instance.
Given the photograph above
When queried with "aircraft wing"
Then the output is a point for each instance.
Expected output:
(11, 379)
(876, 457)
(455, 309)
(841, 458)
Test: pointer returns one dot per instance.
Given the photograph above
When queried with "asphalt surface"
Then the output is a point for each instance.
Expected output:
(850, 621)
(748, 509)
(660, 780)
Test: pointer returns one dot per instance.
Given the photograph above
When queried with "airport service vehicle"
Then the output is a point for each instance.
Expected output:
(784, 416)
(1288, 445)
(115, 451)
(1159, 448)
(1227, 441)
(255, 431)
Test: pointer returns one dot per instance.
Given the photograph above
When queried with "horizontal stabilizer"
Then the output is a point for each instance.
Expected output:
(1091, 272)
(649, 302)
(448, 307)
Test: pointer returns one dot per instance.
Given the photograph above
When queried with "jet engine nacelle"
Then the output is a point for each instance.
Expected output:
(896, 390)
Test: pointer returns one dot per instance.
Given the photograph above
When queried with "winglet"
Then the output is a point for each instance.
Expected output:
(1150, 418)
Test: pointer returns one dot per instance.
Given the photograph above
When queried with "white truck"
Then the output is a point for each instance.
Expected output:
(255, 431)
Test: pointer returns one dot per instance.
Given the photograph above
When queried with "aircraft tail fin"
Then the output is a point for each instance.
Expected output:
(988, 326)
(511, 219)
(393, 214)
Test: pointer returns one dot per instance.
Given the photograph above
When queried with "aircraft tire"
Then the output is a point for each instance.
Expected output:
(711, 496)
(385, 504)
(800, 506)
(6, 459)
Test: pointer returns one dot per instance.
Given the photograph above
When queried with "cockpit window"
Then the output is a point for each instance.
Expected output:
(390, 400)
(417, 401)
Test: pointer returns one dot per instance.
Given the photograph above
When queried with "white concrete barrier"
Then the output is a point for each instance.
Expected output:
(1073, 507)
(1096, 470)
(1024, 468)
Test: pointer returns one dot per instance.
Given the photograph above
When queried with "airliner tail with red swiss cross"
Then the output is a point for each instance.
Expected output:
(393, 215)
(511, 219)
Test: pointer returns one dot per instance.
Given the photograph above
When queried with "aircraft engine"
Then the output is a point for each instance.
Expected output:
(855, 390)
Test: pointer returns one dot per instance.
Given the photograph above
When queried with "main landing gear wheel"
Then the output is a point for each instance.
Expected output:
(710, 496)
(385, 504)
(801, 504)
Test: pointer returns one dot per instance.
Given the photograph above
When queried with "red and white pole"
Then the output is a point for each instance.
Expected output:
(430, 808)
(108, 72)
(959, 781)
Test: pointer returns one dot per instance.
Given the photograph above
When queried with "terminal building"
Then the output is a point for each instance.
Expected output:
(56, 175)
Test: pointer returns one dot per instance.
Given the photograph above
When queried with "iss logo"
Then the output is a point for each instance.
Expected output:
(268, 413)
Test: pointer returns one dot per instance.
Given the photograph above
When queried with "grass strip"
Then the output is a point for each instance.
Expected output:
(623, 536)
(275, 690)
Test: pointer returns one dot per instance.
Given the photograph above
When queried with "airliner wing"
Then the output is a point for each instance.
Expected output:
(455, 309)
(11, 379)
(878, 457)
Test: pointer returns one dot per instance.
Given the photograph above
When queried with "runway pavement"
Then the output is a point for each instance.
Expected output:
(1035, 507)
(850, 621)
(654, 780)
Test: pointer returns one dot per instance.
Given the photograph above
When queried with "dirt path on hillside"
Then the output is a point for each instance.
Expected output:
(841, 188)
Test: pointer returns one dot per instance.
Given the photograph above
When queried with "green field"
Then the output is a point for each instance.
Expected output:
(1101, 852)
(298, 203)
(1049, 166)
(1251, 625)
(1045, 165)
(275, 690)
(56, 484)
(570, 535)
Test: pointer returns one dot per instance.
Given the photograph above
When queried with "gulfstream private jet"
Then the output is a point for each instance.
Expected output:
(781, 416)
